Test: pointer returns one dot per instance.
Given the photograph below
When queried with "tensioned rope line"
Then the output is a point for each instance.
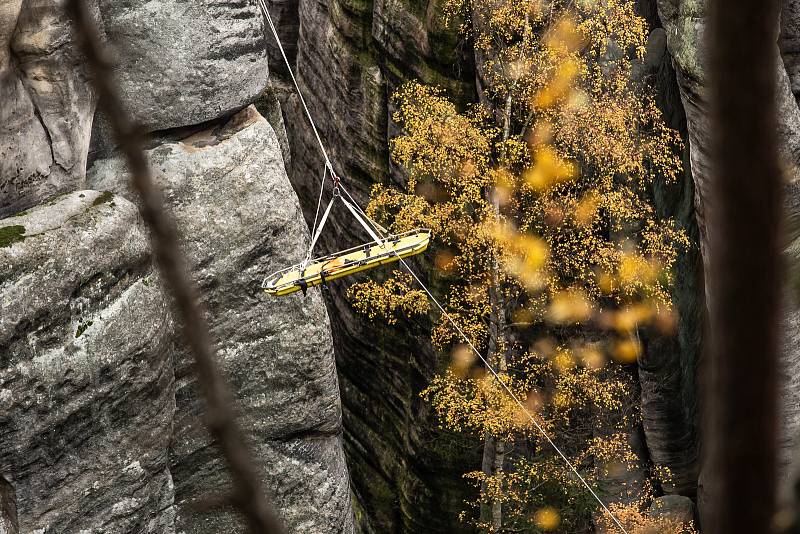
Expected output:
(265, 11)
(316, 218)
(354, 207)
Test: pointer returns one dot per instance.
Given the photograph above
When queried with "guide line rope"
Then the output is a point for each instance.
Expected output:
(316, 217)
(375, 233)
(265, 11)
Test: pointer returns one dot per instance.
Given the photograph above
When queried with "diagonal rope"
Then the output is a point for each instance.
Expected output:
(533, 420)
(355, 209)
(265, 11)
(508, 390)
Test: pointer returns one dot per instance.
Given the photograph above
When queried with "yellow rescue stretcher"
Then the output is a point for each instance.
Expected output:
(347, 262)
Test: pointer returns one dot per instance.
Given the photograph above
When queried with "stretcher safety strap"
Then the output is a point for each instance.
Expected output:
(319, 231)
(366, 226)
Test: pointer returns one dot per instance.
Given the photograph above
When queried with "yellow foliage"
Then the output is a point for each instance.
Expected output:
(389, 300)
(637, 521)
(539, 203)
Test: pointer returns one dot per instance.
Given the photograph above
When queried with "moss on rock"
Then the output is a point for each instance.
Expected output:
(106, 196)
(11, 234)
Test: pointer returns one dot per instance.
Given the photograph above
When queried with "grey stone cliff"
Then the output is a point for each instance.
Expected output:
(101, 426)
(87, 388)
(241, 221)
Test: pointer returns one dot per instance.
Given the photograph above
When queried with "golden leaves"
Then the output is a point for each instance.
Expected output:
(569, 307)
(523, 255)
(636, 520)
(548, 169)
(476, 404)
(388, 301)
(554, 221)
(547, 518)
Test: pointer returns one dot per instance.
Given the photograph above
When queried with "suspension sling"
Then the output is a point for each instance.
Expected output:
(380, 251)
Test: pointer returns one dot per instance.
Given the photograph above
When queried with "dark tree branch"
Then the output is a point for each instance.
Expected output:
(745, 284)
(248, 496)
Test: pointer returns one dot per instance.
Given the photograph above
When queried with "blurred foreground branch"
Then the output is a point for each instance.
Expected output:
(745, 282)
(248, 496)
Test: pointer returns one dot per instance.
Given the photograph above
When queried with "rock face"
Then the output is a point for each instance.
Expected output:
(183, 63)
(240, 221)
(86, 383)
(350, 56)
(47, 105)
(669, 364)
(673, 507)
(100, 429)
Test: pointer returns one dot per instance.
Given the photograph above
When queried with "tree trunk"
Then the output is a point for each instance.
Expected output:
(744, 256)
(494, 450)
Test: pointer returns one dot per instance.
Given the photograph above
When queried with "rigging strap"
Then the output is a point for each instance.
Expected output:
(366, 226)
(319, 229)
(266, 14)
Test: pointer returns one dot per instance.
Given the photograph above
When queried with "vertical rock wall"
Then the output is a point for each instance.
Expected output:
(684, 22)
(47, 105)
(669, 365)
(350, 57)
(87, 391)
(240, 221)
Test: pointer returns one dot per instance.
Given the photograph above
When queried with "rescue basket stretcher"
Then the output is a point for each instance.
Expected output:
(347, 262)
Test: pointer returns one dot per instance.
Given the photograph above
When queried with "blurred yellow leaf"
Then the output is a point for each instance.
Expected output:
(548, 169)
(591, 357)
(444, 262)
(559, 87)
(462, 360)
(569, 307)
(626, 350)
(547, 518)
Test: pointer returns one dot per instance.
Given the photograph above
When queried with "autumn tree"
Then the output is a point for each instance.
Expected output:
(550, 252)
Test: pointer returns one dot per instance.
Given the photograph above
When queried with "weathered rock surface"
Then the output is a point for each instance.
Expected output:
(240, 221)
(350, 57)
(675, 507)
(182, 63)
(669, 364)
(47, 105)
(86, 382)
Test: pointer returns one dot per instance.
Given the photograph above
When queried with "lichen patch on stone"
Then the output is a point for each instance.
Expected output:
(11, 234)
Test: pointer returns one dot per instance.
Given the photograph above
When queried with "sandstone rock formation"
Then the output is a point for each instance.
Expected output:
(675, 507)
(684, 22)
(182, 63)
(240, 221)
(87, 389)
(47, 106)
(93, 368)
(669, 365)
